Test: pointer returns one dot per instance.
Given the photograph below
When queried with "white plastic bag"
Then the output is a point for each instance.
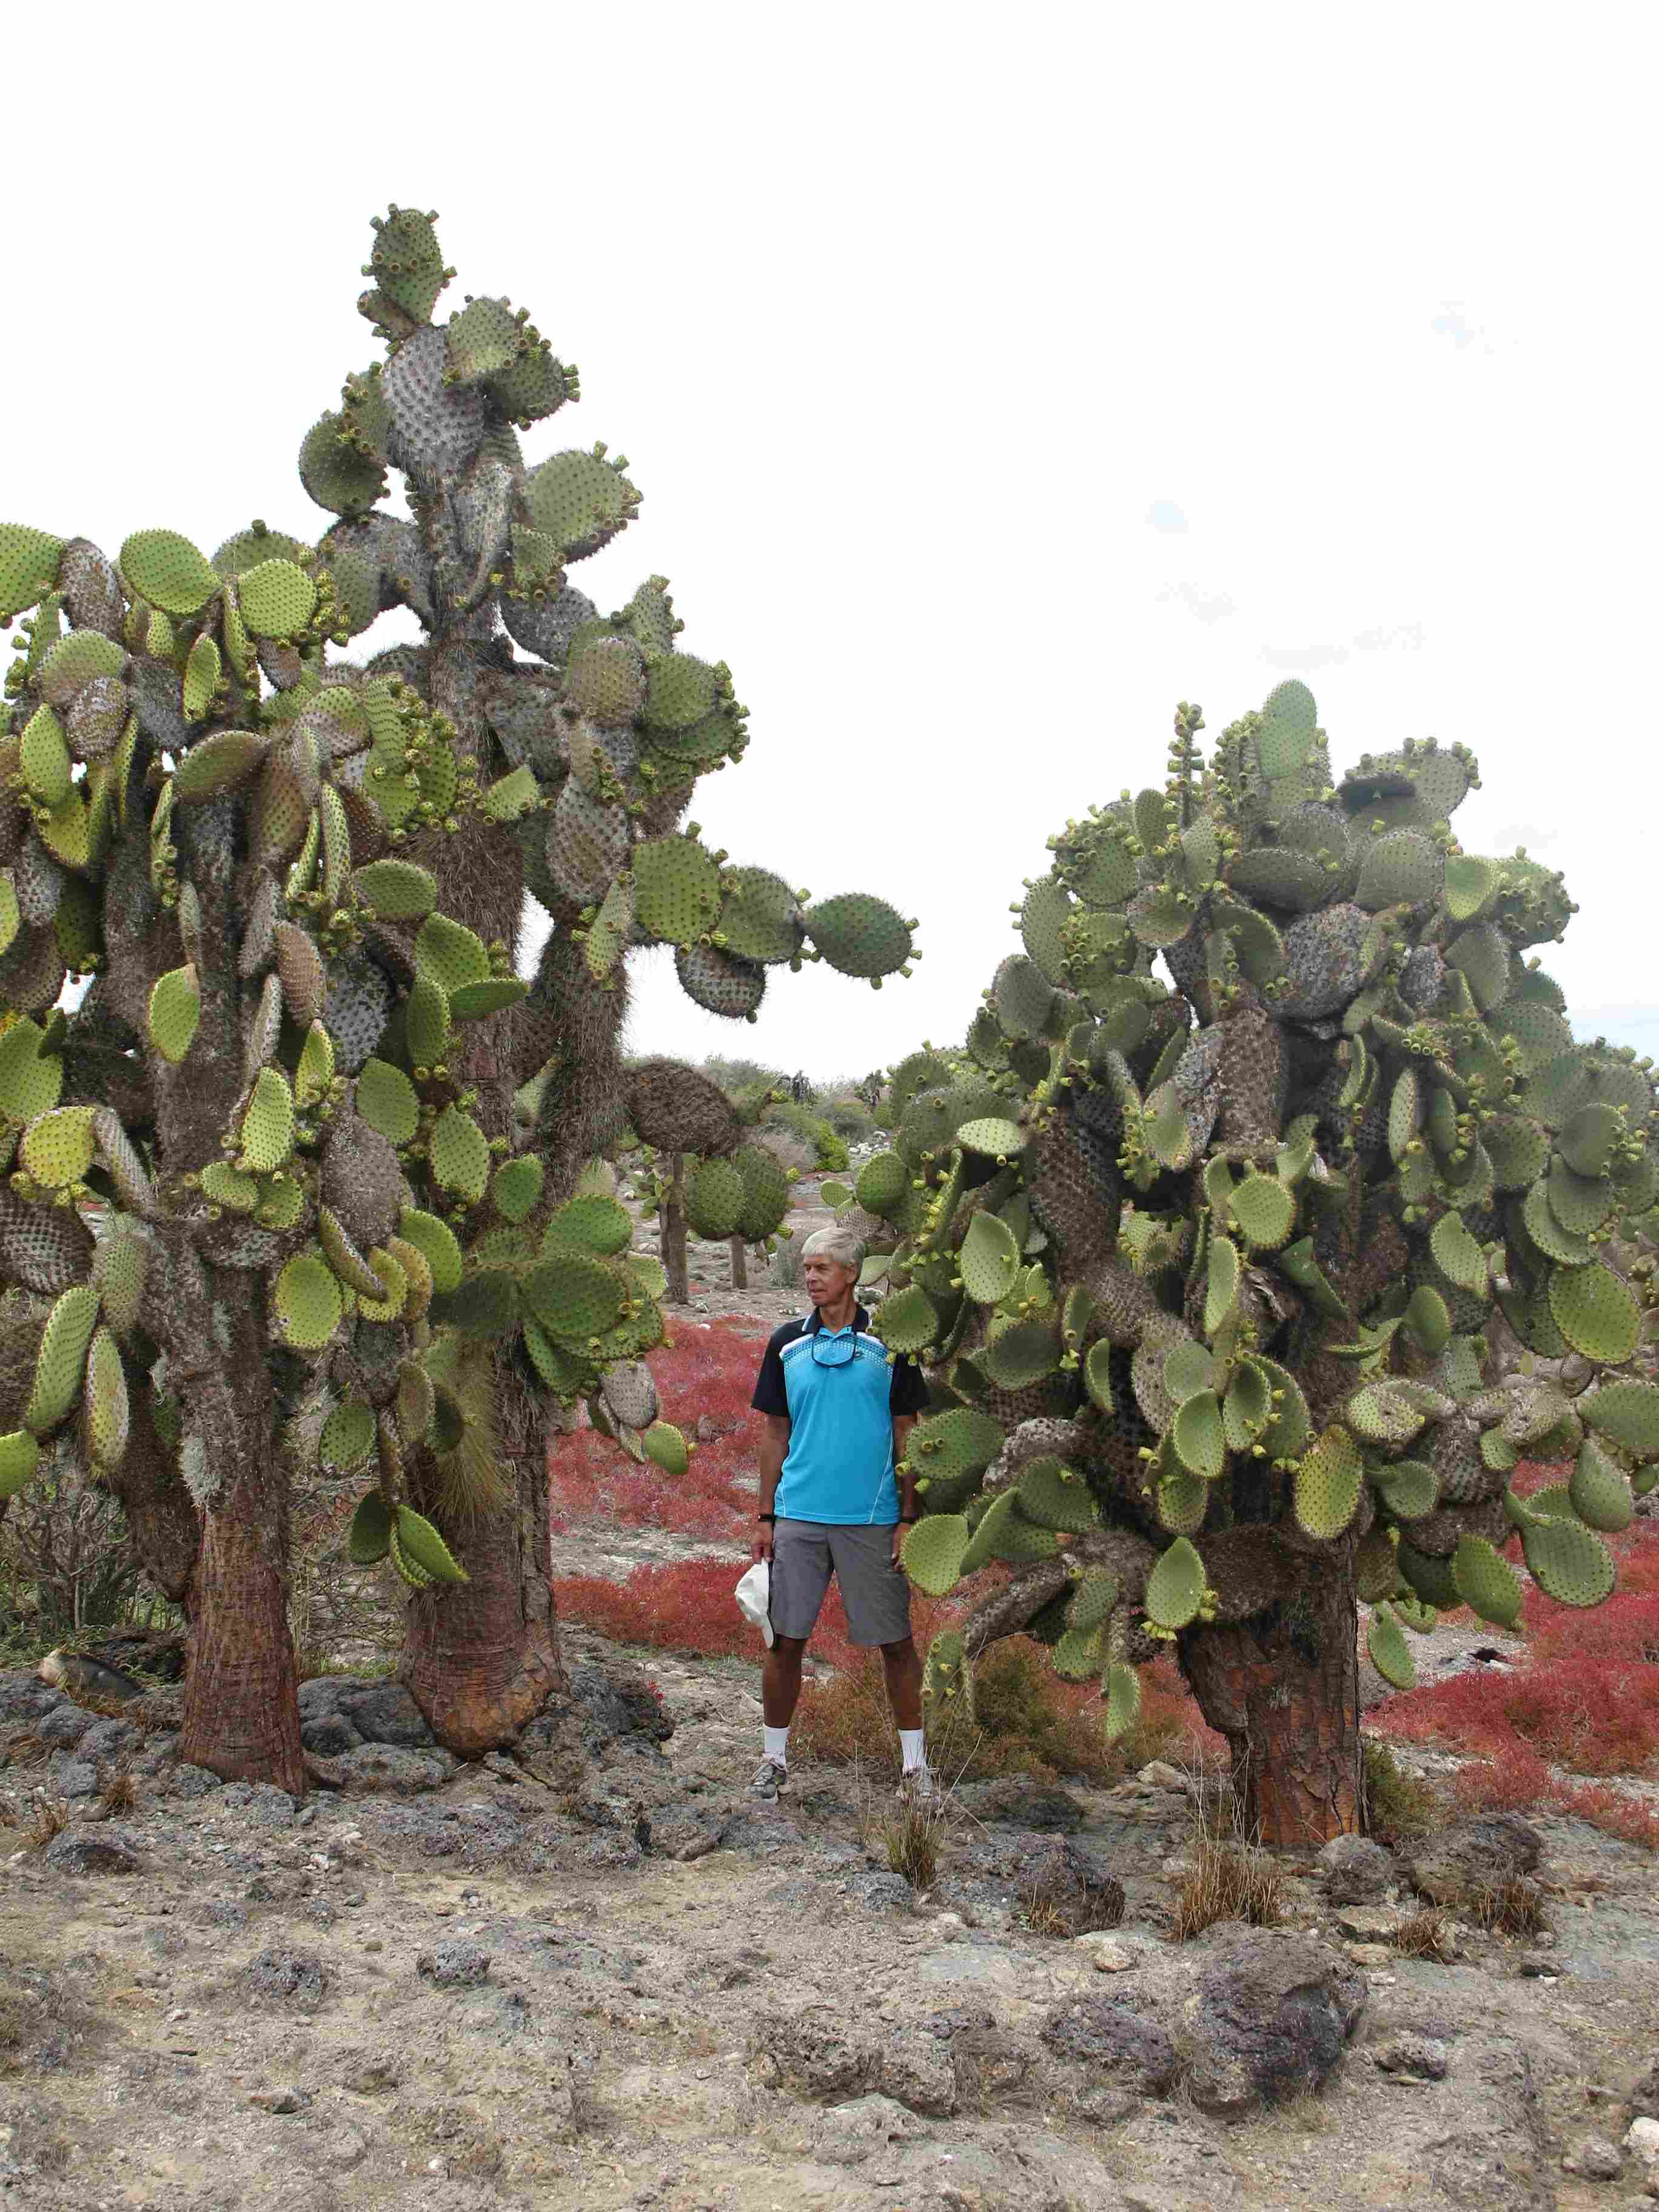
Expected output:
(754, 1596)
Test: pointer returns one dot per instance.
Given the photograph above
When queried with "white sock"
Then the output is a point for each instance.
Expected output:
(777, 1745)
(910, 1746)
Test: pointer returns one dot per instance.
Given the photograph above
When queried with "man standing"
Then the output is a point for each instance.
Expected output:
(837, 1416)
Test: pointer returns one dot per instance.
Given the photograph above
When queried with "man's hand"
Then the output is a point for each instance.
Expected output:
(900, 1532)
(762, 1547)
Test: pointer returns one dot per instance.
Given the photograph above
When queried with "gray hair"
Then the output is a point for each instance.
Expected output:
(835, 1245)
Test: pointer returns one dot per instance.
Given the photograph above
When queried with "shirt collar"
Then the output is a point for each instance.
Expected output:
(815, 1321)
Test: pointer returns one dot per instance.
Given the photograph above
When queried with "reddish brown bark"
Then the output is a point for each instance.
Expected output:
(241, 1711)
(1283, 1688)
(739, 1265)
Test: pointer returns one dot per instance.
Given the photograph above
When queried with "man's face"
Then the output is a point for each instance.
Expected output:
(826, 1278)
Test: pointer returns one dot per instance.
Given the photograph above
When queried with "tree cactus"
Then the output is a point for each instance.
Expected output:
(1223, 1286)
(297, 882)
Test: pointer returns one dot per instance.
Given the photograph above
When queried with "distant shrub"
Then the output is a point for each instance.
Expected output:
(812, 1128)
(849, 1117)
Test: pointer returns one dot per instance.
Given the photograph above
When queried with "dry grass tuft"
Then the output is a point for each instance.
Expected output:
(119, 1790)
(51, 1817)
(1229, 1881)
(1513, 1906)
(910, 1838)
(1425, 1936)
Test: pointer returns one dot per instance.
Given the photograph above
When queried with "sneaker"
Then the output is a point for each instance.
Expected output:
(769, 1778)
(917, 1787)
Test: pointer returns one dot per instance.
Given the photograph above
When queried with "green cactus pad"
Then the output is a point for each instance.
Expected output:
(20, 1454)
(593, 1223)
(1263, 1211)
(348, 1438)
(58, 1149)
(1094, 1600)
(1383, 1413)
(860, 935)
(267, 1130)
(1404, 868)
(931, 1552)
(761, 918)
(1222, 1282)
(1427, 1319)
(1601, 1490)
(1176, 1587)
(1390, 1652)
(992, 1136)
(580, 503)
(436, 1242)
(1482, 956)
(945, 1681)
(397, 890)
(1626, 1411)
(1407, 1487)
(574, 1294)
(1596, 1312)
(1458, 1256)
(1004, 1533)
(1121, 1686)
(1055, 1496)
(1020, 1354)
(676, 889)
(765, 1192)
(306, 1302)
(45, 758)
(104, 1404)
(1198, 1436)
(370, 1537)
(714, 1198)
(61, 1361)
(1429, 1576)
(953, 1446)
(175, 1008)
(884, 1183)
(1566, 1561)
(425, 1548)
(387, 1101)
(459, 1155)
(28, 567)
(167, 571)
(450, 954)
(516, 1187)
(31, 1080)
(906, 1321)
(1486, 1582)
(1329, 1480)
(990, 1259)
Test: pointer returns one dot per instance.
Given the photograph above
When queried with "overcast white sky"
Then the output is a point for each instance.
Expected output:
(994, 378)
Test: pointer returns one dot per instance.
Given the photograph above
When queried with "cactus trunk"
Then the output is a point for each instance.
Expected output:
(482, 1667)
(1283, 1688)
(673, 1233)
(739, 1265)
(242, 1712)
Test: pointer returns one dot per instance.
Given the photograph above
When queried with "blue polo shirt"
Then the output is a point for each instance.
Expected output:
(839, 1467)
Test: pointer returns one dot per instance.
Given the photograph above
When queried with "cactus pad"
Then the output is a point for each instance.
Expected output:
(1596, 1311)
(860, 935)
(459, 1154)
(1391, 1654)
(1176, 1587)
(1486, 1582)
(931, 1552)
(306, 1302)
(61, 1360)
(167, 571)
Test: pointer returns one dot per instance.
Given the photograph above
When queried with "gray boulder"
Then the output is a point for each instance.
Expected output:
(453, 1966)
(1356, 1871)
(1270, 2019)
(1461, 1864)
(1117, 2044)
(63, 1729)
(108, 1847)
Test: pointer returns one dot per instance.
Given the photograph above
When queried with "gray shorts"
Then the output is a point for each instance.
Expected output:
(875, 1592)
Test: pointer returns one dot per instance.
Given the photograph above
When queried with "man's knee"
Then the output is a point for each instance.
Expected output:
(902, 1647)
(788, 1649)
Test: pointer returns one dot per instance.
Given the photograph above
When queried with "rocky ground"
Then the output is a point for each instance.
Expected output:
(601, 1975)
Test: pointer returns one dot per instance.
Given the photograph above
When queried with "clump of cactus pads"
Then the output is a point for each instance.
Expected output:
(1286, 1265)
(270, 1205)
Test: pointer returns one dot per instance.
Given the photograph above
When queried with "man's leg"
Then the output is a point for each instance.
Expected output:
(801, 1576)
(903, 1668)
(780, 1681)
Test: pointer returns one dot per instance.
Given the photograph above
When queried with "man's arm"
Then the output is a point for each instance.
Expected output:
(774, 1444)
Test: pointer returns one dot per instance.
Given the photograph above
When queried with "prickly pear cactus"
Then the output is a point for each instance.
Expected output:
(1217, 1281)
(266, 1174)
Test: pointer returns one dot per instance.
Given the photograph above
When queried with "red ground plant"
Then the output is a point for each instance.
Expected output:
(1582, 1697)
